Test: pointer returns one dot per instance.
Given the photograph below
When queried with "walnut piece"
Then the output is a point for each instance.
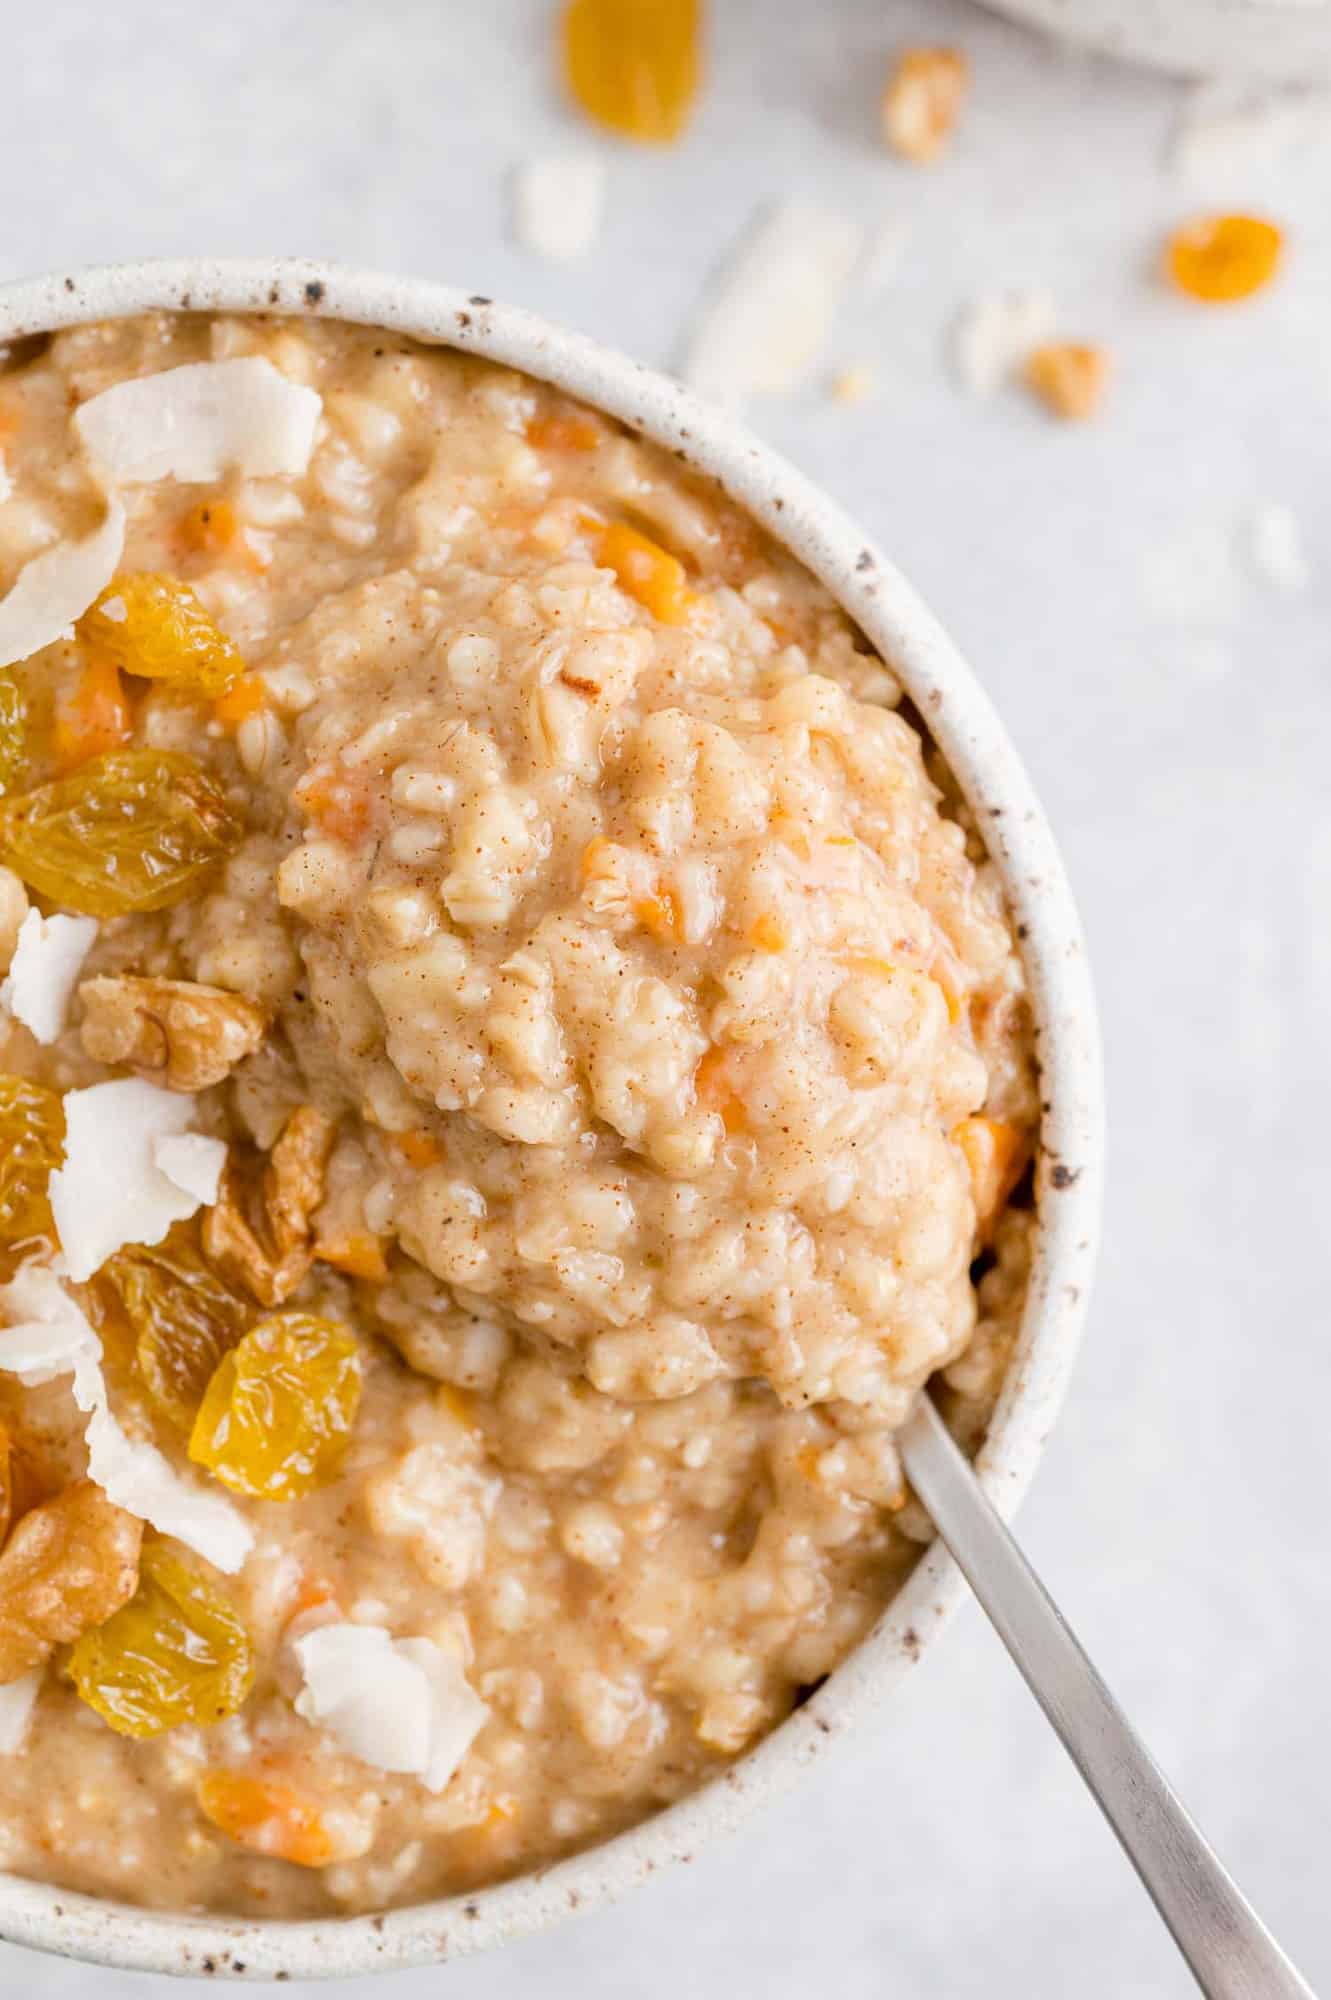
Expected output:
(262, 1238)
(923, 101)
(68, 1565)
(1069, 378)
(175, 1031)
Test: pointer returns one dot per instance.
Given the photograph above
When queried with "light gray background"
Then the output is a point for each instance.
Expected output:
(1174, 710)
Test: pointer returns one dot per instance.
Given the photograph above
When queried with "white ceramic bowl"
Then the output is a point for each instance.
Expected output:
(1069, 1183)
(1269, 41)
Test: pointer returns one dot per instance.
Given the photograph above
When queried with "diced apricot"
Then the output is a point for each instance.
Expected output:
(418, 1149)
(647, 572)
(792, 834)
(634, 64)
(564, 430)
(314, 1590)
(92, 717)
(340, 800)
(246, 698)
(1222, 258)
(1069, 377)
(713, 1090)
(661, 915)
(267, 1817)
(995, 1154)
(922, 102)
(869, 967)
(214, 528)
(458, 1403)
(357, 1253)
(767, 933)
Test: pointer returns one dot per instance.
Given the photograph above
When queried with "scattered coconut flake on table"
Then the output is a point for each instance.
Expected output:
(1276, 546)
(994, 335)
(110, 1190)
(761, 330)
(196, 422)
(17, 1701)
(398, 1704)
(44, 971)
(57, 587)
(558, 202)
(49, 1335)
(192, 1163)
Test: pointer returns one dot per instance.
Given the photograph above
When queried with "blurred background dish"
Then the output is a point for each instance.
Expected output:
(1280, 41)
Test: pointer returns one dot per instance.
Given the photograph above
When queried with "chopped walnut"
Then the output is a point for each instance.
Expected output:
(176, 1031)
(922, 102)
(68, 1565)
(266, 1243)
(1069, 379)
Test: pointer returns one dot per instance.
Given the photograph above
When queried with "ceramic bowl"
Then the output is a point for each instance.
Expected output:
(1267, 41)
(959, 715)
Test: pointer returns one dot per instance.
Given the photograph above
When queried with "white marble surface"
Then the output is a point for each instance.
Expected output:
(1174, 710)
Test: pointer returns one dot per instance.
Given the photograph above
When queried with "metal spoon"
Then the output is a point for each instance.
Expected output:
(1230, 1951)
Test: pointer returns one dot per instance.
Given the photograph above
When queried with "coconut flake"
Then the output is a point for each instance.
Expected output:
(557, 204)
(44, 970)
(196, 422)
(994, 335)
(17, 1701)
(57, 587)
(762, 329)
(51, 1336)
(110, 1190)
(48, 1335)
(192, 1163)
(398, 1704)
(1276, 547)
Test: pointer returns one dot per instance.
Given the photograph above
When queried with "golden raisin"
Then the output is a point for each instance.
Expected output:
(155, 626)
(135, 830)
(267, 1817)
(1070, 378)
(12, 729)
(646, 571)
(92, 717)
(32, 1142)
(922, 102)
(1221, 258)
(634, 64)
(183, 1317)
(277, 1416)
(70, 1563)
(176, 1653)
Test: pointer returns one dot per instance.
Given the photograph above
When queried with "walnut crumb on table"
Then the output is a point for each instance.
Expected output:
(923, 101)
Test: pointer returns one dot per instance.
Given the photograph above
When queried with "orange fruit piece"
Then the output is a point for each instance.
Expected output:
(995, 1154)
(92, 717)
(923, 101)
(267, 1817)
(646, 571)
(634, 65)
(1221, 258)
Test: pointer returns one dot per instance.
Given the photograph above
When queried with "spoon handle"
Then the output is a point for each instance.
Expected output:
(1232, 1954)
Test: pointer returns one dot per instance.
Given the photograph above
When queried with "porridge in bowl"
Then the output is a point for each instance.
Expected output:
(515, 1069)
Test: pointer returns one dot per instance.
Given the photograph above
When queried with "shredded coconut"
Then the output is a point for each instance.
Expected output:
(110, 1190)
(196, 422)
(57, 587)
(558, 202)
(1277, 548)
(49, 1336)
(398, 1704)
(44, 971)
(994, 335)
(763, 327)
(17, 1701)
(192, 1163)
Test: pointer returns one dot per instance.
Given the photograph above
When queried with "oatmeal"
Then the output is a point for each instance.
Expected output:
(514, 1071)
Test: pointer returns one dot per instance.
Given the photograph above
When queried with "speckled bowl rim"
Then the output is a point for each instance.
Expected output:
(959, 714)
